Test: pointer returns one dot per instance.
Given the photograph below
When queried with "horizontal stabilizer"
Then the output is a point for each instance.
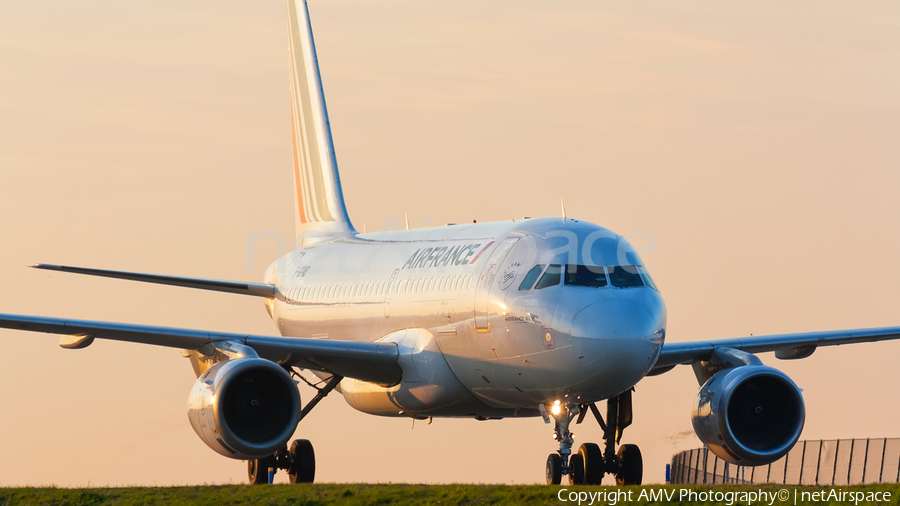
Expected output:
(217, 285)
(373, 362)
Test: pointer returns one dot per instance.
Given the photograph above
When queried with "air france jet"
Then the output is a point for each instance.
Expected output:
(539, 318)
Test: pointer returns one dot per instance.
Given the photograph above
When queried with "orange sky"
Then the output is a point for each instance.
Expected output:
(756, 145)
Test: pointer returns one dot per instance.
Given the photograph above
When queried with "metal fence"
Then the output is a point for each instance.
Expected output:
(825, 462)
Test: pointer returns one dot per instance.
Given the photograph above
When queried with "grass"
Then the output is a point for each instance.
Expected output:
(389, 494)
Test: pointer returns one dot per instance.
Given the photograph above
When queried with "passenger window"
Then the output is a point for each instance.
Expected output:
(625, 276)
(585, 275)
(550, 278)
(532, 275)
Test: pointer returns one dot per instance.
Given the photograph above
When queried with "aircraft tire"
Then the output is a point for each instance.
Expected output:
(258, 470)
(304, 467)
(593, 463)
(576, 474)
(632, 465)
(554, 469)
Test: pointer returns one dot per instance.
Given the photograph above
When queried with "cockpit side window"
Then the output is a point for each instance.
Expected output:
(550, 278)
(625, 276)
(646, 277)
(532, 275)
(585, 275)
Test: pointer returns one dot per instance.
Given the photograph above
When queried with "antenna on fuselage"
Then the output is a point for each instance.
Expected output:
(563, 204)
(406, 217)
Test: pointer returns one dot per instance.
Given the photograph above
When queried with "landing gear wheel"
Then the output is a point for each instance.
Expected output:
(632, 469)
(576, 472)
(258, 470)
(593, 463)
(554, 469)
(303, 469)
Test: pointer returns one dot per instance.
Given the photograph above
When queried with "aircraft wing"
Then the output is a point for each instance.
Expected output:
(367, 361)
(785, 346)
(241, 287)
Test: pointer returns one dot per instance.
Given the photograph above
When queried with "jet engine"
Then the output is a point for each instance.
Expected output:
(749, 415)
(246, 408)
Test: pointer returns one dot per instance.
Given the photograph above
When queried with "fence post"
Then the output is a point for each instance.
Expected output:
(865, 462)
(697, 469)
(837, 451)
(819, 460)
(898, 471)
(850, 463)
(705, 460)
(784, 476)
(881, 471)
(676, 468)
(802, 462)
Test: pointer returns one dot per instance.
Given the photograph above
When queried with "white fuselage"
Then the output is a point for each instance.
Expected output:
(508, 347)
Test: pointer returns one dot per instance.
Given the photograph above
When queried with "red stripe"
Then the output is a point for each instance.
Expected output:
(298, 180)
(480, 252)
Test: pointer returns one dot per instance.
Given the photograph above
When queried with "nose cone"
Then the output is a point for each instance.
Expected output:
(618, 336)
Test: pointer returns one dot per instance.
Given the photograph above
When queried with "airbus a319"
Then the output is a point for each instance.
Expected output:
(539, 318)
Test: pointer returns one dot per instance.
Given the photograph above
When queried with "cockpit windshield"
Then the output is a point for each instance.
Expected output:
(532, 275)
(550, 278)
(625, 276)
(585, 275)
(593, 276)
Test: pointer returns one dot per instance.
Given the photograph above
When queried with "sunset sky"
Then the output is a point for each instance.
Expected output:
(750, 150)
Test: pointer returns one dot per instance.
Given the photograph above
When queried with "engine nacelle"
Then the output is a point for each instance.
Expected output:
(749, 415)
(246, 408)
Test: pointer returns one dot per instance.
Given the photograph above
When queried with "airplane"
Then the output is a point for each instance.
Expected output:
(539, 318)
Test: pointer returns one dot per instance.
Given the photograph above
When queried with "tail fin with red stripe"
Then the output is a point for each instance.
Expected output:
(319, 202)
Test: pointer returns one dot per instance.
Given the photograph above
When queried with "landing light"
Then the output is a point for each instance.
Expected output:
(555, 409)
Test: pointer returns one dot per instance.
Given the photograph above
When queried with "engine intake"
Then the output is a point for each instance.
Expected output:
(749, 415)
(244, 408)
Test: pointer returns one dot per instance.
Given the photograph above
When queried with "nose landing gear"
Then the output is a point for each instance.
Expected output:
(589, 464)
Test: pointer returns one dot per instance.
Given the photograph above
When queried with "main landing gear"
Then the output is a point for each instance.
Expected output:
(589, 464)
(300, 459)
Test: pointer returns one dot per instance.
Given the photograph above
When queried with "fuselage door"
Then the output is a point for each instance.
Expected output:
(387, 293)
(486, 280)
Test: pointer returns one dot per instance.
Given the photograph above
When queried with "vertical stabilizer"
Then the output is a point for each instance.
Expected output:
(319, 210)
